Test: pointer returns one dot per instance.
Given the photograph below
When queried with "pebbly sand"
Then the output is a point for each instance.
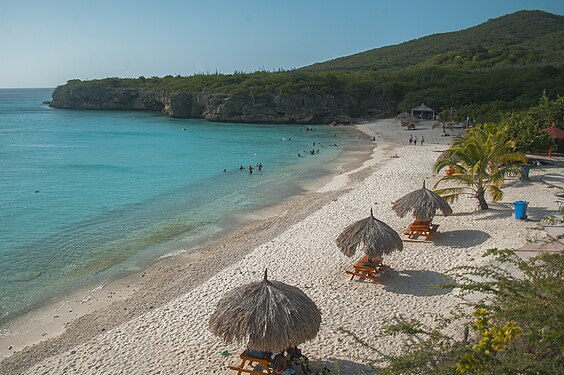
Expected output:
(157, 320)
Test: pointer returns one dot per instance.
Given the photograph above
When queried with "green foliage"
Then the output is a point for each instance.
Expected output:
(525, 127)
(516, 328)
(520, 39)
(500, 66)
(492, 340)
(480, 159)
(548, 112)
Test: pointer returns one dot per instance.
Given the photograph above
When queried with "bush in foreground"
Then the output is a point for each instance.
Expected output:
(517, 327)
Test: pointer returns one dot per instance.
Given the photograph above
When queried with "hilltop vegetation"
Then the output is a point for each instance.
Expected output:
(502, 65)
(520, 39)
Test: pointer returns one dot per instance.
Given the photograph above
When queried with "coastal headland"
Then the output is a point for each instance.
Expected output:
(287, 108)
(162, 325)
(501, 65)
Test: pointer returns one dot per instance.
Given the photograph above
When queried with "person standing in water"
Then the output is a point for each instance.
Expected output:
(251, 169)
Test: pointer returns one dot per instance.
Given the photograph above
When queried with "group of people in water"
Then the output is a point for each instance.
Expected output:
(251, 168)
(413, 140)
(313, 151)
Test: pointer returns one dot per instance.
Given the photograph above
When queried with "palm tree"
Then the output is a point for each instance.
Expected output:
(446, 120)
(481, 159)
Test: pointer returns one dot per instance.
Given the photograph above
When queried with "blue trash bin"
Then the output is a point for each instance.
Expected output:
(520, 210)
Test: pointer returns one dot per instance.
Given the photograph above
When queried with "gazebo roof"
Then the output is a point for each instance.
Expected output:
(555, 132)
(423, 108)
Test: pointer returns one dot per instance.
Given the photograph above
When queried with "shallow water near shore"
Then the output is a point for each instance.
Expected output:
(90, 196)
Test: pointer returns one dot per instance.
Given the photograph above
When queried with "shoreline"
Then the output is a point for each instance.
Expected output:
(168, 331)
(58, 319)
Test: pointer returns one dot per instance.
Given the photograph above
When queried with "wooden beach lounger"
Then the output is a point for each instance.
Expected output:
(248, 360)
(365, 270)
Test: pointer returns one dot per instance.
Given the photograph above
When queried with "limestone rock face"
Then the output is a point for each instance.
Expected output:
(107, 98)
(283, 108)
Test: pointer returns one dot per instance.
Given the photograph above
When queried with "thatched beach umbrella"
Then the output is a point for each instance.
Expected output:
(373, 236)
(424, 204)
(268, 315)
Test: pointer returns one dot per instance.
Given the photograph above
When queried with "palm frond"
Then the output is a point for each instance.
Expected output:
(495, 192)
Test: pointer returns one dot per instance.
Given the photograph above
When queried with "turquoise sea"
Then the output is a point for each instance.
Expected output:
(89, 196)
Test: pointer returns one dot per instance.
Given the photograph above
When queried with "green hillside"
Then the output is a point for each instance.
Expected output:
(504, 64)
(520, 39)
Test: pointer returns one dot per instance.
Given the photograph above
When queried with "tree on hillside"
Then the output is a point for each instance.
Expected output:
(525, 128)
(446, 119)
(527, 135)
(480, 159)
(549, 112)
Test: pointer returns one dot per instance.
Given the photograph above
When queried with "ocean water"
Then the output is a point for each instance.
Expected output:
(88, 196)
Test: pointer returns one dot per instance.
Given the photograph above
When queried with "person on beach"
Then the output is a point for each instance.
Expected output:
(422, 140)
(410, 139)
(251, 169)
(295, 356)
(279, 365)
(415, 141)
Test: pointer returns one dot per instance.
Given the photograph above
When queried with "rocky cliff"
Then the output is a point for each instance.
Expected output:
(271, 108)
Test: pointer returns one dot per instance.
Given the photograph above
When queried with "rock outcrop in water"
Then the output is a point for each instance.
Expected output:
(283, 108)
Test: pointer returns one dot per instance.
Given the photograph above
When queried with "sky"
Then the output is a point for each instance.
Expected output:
(46, 43)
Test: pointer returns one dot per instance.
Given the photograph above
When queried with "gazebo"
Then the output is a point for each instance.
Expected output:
(555, 132)
(423, 112)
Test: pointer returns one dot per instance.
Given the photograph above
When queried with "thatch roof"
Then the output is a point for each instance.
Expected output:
(554, 132)
(266, 315)
(403, 115)
(373, 236)
(423, 108)
(424, 204)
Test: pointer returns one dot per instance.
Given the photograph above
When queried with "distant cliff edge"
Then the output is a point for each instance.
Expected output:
(283, 108)
(502, 65)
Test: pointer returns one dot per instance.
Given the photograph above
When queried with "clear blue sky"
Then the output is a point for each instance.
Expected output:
(45, 43)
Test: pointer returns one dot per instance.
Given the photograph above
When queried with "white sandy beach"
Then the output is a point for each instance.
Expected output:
(299, 249)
